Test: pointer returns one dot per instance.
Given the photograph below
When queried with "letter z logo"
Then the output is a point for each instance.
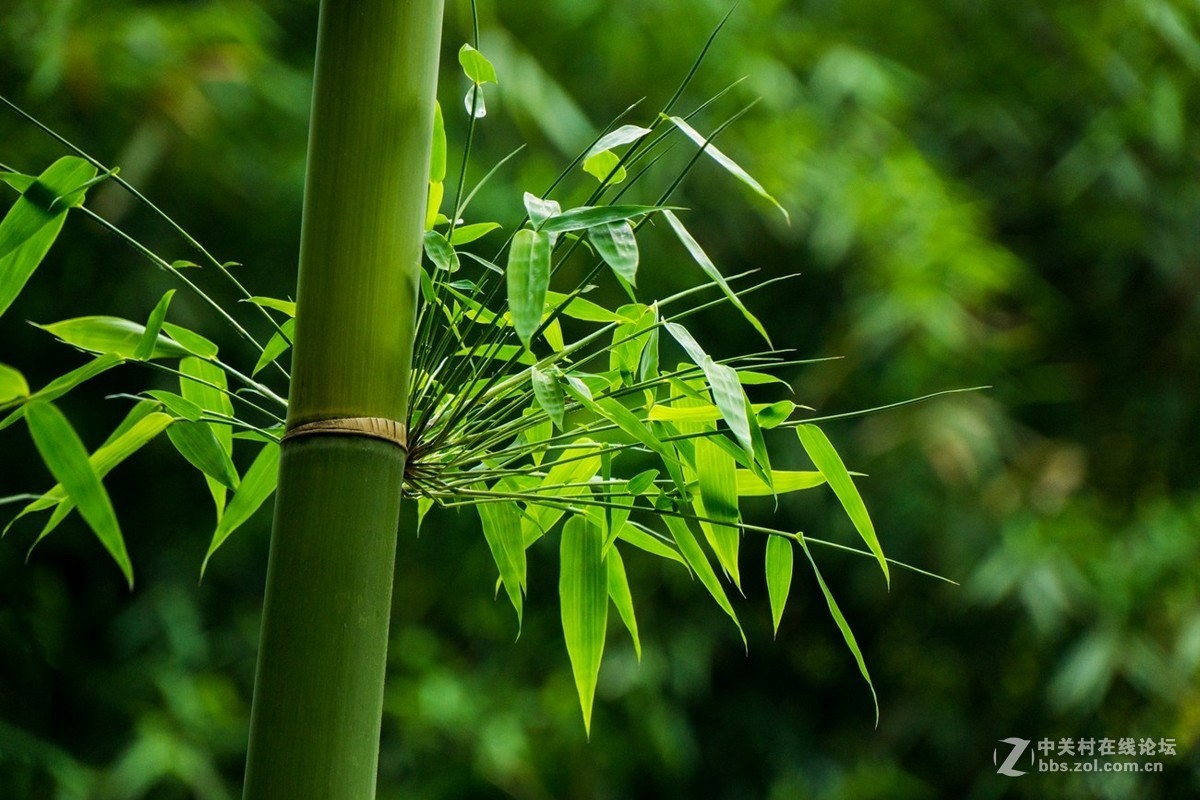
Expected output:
(1019, 746)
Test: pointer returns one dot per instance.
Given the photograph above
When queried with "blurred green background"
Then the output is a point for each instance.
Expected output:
(982, 193)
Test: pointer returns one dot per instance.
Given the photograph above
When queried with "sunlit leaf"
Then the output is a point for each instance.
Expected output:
(476, 66)
(727, 163)
(528, 277)
(775, 414)
(465, 234)
(584, 217)
(65, 383)
(710, 269)
(197, 443)
(276, 346)
(583, 309)
(583, 596)
(626, 134)
(549, 394)
(286, 306)
(193, 342)
(622, 598)
(540, 210)
(179, 406)
(779, 575)
(501, 523)
(617, 245)
(605, 165)
(750, 485)
(64, 455)
(145, 347)
(112, 335)
(439, 251)
(827, 460)
(641, 539)
(437, 157)
(474, 103)
(30, 227)
(257, 485)
(843, 626)
(12, 384)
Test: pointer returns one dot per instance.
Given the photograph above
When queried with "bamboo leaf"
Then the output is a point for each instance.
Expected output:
(626, 134)
(549, 395)
(257, 485)
(690, 548)
(439, 251)
(474, 103)
(112, 335)
(827, 460)
(540, 210)
(140, 425)
(286, 306)
(617, 245)
(566, 478)
(583, 309)
(65, 383)
(775, 414)
(12, 384)
(583, 597)
(584, 217)
(726, 388)
(205, 384)
(605, 166)
(634, 535)
(465, 234)
(528, 276)
(727, 163)
(437, 157)
(145, 347)
(843, 626)
(433, 204)
(779, 575)
(30, 227)
(476, 66)
(65, 456)
(684, 414)
(710, 269)
(276, 346)
(622, 598)
(716, 473)
(197, 443)
(179, 406)
(193, 342)
(751, 485)
(501, 522)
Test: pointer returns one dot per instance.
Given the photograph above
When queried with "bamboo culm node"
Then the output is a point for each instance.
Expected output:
(388, 430)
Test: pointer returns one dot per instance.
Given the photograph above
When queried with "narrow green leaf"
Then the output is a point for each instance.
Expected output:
(501, 522)
(626, 134)
(179, 406)
(465, 234)
(567, 476)
(775, 414)
(18, 181)
(439, 251)
(476, 66)
(286, 306)
(112, 335)
(582, 309)
(437, 157)
(751, 485)
(140, 425)
(277, 345)
(843, 626)
(622, 598)
(827, 460)
(12, 385)
(145, 347)
(257, 485)
(65, 456)
(197, 443)
(65, 383)
(193, 342)
(433, 205)
(722, 380)
(716, 473)
(617, 245)
(699, 413)
(728, 164)
(605, 165)
(549, 395)
(634, 535)
(699, 563)
(612, 410)
(30, 227)
(538, 209)
(779, 575)
(584, 217)
(583, 597)
(528, 277)
(710, 269)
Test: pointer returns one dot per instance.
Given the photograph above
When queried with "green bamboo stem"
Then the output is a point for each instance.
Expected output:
(318, 696)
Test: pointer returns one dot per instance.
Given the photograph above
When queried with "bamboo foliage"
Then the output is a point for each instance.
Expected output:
(614, 430)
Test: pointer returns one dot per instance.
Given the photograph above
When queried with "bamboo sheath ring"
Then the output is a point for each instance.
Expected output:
(389, 430)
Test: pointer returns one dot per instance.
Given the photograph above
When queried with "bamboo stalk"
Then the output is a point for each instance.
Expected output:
(318, 693)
